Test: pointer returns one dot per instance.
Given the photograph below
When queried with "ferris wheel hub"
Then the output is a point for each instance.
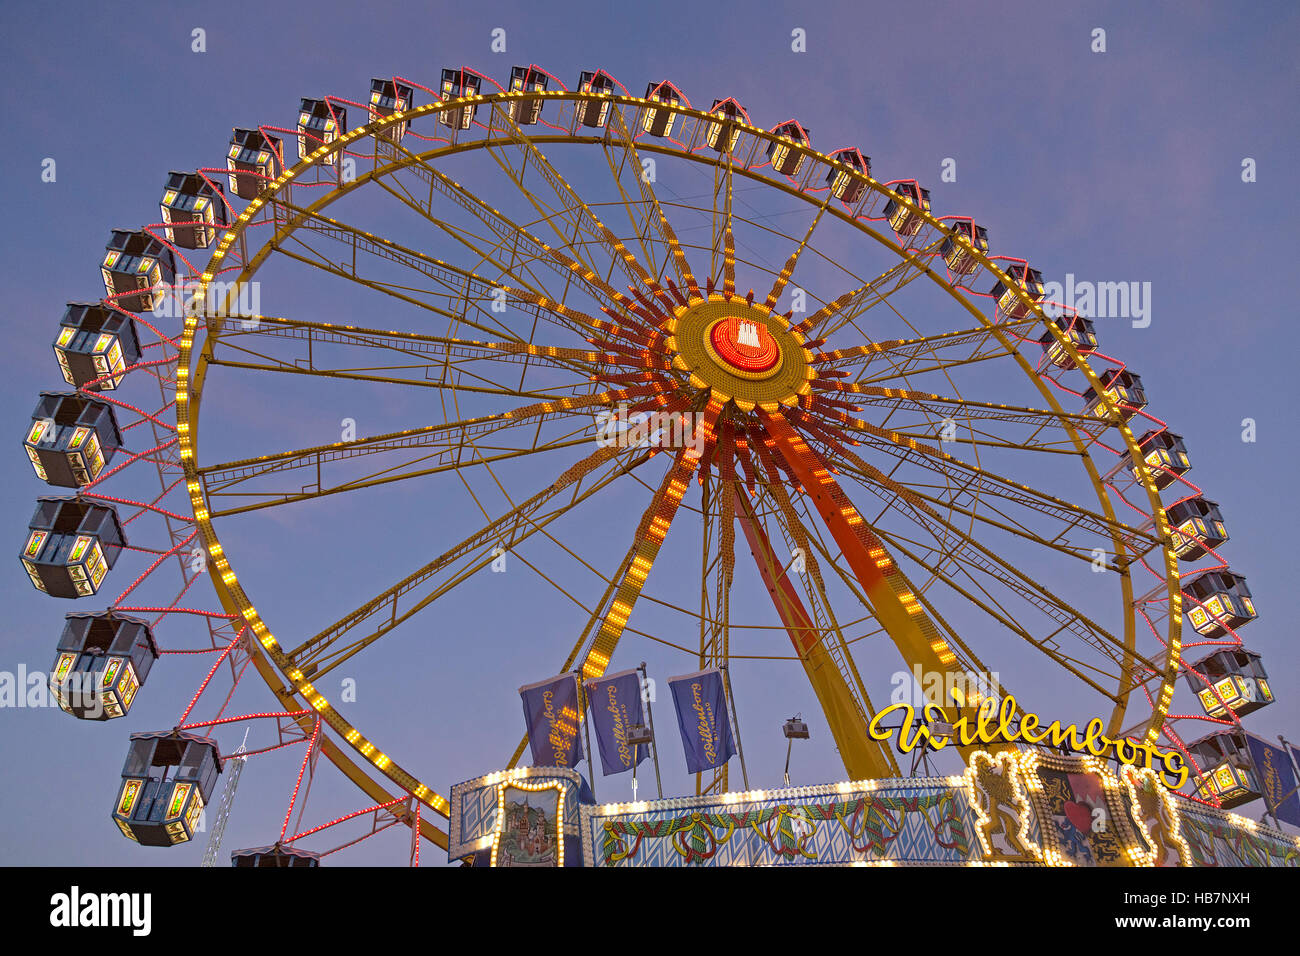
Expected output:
(743, 352)
(744, 346)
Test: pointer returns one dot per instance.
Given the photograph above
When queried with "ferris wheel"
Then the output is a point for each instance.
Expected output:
(633, 297)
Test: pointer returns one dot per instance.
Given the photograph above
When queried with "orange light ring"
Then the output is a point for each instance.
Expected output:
(722, 342)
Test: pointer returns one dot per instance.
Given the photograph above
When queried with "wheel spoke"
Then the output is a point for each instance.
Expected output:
(728, 232)
(911, 350)
(970, 552)
(892, 598)
(575, 213)
(987, 482)
(656, 220)
(474, 244)
(524, 247)
(845, 715)
(462, 560)
(440, 351)
(943, 407)
(448, 454)
(784, 276)
(851, 306)
(650, 537)
(461, 288)
(1046, 645)
(363, 375)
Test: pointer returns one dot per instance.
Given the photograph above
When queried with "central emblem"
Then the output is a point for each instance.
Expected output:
(741, 351)
(745, 345)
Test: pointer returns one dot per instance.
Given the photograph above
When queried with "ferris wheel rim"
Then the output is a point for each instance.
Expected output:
(187, 419)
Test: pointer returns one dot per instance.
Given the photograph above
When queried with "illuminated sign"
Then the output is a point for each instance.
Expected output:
(998, 725)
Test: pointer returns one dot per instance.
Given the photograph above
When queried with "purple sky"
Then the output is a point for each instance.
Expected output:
(1122, 166)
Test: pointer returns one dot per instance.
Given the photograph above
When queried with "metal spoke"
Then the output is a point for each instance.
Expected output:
(1046, 645)
(461, 288)
(972, 553)
(451, 451)
(987, 482)
(818, 641)
(650, 536)
(440, 351)
(788, 270)
(851, 306)
(572, 210)
(656, 220)
(461, 561)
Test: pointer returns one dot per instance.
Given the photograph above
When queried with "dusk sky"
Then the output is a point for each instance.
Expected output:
(1117, 166)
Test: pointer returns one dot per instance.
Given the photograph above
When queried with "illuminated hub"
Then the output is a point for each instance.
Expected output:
(71, 545)
(1237, 680)
(167, 780)
(71, 438)
(193, 208)
(136, 262)
(95, 343)
(744, 346)
(253, 160)
(1225, 764)
(1122, 387)
(742, 352)
(319, 124)
(101, 662)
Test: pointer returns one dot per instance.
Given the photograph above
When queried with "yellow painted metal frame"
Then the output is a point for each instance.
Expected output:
(267, 653)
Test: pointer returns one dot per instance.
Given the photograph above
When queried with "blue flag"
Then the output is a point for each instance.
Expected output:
(551, 714)
(1277, 784)
(615, 702)
(701, 702)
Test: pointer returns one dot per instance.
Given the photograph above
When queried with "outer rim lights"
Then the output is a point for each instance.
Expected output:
(737, 123)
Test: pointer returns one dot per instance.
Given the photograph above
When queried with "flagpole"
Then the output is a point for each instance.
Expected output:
(740, 747)
(654, 744)
(634, 755)
(586, 731)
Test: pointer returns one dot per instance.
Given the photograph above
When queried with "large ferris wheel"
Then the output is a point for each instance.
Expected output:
(630, 298)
